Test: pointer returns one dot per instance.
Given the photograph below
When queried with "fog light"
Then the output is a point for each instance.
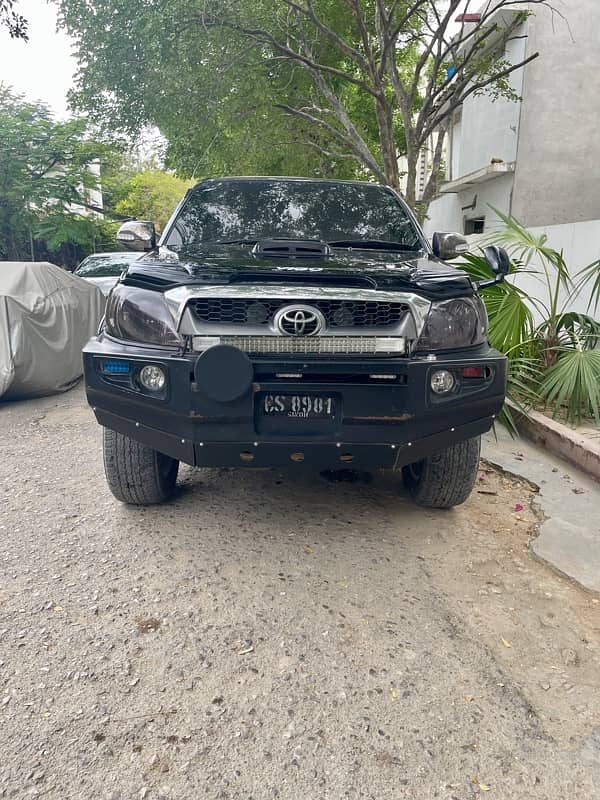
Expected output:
(442, 381)
(153, 378)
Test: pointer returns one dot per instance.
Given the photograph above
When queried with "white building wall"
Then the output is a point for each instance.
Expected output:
(453, 154)
(489, 128)
(444, 215)
(448, 212)
(552, 137)
(556, 179)
(483, 131)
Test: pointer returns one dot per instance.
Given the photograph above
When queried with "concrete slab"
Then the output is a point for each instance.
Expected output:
(579, 446)
(569, 536)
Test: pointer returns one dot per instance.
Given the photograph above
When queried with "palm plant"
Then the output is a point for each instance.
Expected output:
(511, 327)
(553, 352)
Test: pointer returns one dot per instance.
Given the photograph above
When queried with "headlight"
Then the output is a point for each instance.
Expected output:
(454, 323)
(140, 315)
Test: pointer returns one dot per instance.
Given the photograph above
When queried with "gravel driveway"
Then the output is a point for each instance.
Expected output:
(270, 636)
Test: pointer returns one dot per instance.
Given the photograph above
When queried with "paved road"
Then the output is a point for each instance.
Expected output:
(267, 636)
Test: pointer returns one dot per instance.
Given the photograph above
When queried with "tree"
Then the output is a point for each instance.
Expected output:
(407, 56)
(152, 195)
(45, 170)
(358, 83)
(214, 97)
(15, 23)
(67, 238)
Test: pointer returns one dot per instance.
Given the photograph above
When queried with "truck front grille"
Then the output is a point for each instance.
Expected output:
(337, 313)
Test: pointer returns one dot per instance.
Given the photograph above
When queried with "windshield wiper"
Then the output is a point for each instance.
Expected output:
(359, 244)
(191, 246)
(232, 241)
(375, 244)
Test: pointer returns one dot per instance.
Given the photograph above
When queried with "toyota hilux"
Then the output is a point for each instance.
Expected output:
(300, 323)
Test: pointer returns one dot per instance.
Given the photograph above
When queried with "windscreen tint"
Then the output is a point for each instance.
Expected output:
(101, 267)
(291, 210)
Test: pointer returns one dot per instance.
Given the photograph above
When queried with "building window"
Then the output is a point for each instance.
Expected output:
(475, 225)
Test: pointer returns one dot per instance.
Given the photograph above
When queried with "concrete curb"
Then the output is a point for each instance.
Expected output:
(559, 439)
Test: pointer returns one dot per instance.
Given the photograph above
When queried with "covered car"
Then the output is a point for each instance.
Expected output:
(46, 317)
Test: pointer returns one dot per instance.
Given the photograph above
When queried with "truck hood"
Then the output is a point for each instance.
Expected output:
(420, 272)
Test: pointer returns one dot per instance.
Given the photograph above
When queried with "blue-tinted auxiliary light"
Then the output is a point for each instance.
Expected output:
(116, 367)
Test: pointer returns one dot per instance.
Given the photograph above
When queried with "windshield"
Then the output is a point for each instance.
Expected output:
(274, 209)
(102, 266)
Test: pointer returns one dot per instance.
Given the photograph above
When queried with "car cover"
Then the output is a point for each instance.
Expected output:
(46, 317)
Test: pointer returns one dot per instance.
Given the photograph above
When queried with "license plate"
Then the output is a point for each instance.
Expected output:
(298, 406)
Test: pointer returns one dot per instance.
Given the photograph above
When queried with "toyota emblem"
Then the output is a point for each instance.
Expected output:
(299, 321)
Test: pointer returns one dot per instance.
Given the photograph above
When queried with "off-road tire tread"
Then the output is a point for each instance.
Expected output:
(448, 477)
(132, 471)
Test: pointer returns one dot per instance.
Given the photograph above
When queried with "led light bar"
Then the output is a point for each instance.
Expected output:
(301, 345)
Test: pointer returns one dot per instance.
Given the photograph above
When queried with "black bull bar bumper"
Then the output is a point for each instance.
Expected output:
(379, 422)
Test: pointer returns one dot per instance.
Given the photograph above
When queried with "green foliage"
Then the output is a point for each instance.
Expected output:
(214, 98)
(510, 316)
(152, 195)
(555, 361)
(573, 382)
(62, 233)
(522, 380)
(590, 275)
(15, 23)
(44, 172)
(339, 88)
(511, 330)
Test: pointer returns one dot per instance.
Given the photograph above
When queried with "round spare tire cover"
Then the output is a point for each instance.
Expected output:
(223, 373)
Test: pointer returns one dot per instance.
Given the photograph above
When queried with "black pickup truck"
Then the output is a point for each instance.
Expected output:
(287, 321)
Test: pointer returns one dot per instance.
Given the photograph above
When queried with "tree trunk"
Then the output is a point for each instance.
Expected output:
(385, 123)
(436, 163)
(411, 179)
(8, 237)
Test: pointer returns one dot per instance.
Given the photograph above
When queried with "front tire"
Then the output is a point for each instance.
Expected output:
(135, 473)
(445, 479)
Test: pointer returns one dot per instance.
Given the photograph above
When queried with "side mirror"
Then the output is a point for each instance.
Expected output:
(137, 235)
(498, 261)
(447, 246)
